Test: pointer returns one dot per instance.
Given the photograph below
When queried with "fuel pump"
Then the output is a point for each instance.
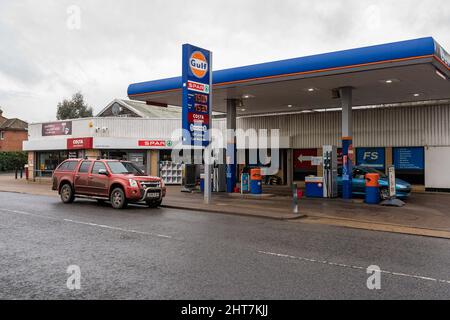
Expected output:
(330, 172)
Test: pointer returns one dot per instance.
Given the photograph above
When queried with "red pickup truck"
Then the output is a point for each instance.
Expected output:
(120, 182)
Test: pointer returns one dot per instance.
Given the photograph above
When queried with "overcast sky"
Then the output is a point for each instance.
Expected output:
(48, 51)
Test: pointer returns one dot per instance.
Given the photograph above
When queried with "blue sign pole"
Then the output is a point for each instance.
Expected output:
(197, 103)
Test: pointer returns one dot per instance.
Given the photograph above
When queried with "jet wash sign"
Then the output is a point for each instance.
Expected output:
(197, 86)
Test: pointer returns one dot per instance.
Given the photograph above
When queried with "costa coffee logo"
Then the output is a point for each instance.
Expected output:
(78, 142)
(198, 64)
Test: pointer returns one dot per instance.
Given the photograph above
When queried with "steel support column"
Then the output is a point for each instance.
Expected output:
(347, 142)
(231, 144)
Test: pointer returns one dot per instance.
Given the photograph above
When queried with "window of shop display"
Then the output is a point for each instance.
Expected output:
(47, 162)
(165, 155)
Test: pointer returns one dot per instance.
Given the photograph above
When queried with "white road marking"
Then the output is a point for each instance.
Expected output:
(353, 267)
(88, 224)
(119, 229)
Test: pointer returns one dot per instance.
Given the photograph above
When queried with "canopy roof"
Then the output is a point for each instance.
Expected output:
(407, 71)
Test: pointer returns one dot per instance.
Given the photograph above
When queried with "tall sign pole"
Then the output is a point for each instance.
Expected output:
(197, 104)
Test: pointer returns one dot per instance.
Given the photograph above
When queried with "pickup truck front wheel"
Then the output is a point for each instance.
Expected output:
(118, 199)
(67, 194)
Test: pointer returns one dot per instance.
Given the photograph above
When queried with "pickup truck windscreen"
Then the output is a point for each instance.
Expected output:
(124, 168)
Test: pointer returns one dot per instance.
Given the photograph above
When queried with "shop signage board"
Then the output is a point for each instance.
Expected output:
(371, 158)
(80, 143)
(392, 182)
(152, 143)
(442, 54)
(409, 158)
(303, 159)
(57, 129)
(197, 82)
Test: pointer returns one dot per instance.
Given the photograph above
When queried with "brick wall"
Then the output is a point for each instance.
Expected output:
(13, 141)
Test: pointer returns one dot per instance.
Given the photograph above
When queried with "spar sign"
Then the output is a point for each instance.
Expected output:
(197, 80)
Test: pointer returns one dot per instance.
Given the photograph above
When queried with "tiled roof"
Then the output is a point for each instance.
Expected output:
(13, 124)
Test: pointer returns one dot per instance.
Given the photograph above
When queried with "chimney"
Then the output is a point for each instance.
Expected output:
(1, 112)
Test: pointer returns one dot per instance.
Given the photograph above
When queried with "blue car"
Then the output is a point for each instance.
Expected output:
(359, 183)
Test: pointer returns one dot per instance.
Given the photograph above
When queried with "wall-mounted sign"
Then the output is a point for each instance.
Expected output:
(409, 158)
(80, 143)
(57, 129)
(152, 143)
(392, 183)
(303, 159)
(197, 81)
(371, 158)
(442, 54)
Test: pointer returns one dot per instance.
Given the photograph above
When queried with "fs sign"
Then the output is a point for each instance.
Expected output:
(197, 82)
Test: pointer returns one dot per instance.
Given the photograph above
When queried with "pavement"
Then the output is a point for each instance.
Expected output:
(425, 214)
(164, 253)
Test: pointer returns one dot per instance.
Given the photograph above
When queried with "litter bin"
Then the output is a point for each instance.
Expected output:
(373, 188)
(255, 181)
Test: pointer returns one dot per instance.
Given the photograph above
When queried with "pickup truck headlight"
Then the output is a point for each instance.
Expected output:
(133, 183)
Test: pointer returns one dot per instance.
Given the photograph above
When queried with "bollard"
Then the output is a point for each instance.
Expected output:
(373, 188)
(255, 181)
(295, 198)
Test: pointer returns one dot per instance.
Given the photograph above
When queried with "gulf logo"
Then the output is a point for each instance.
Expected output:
(198, 64)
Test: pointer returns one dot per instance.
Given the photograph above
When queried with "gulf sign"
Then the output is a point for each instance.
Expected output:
(197, 80)
(198, 64)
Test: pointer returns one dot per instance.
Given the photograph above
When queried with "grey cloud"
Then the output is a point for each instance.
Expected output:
(126, 41)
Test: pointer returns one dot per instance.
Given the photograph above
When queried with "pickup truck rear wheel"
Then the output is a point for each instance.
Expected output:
(67, 194)
(118, 199)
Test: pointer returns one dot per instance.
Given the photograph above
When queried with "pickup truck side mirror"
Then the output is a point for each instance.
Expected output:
(103, 172)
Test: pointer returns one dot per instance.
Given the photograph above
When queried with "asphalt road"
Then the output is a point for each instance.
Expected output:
(142, 253)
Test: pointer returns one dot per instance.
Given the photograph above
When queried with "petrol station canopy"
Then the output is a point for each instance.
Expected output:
(407, 71)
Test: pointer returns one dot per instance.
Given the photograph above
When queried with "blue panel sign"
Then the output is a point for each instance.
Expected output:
(371, 158)
(197, 79)
(409, 158)
(442, 54)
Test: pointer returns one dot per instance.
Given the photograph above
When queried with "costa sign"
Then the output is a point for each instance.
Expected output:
(198, 118)
(80, 143)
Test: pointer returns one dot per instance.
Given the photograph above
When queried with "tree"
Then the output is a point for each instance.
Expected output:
(73, 109)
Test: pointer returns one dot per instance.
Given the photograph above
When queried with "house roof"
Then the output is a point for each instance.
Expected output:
(144, 110)
(14, 124)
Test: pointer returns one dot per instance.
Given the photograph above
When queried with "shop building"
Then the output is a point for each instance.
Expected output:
(414, 137)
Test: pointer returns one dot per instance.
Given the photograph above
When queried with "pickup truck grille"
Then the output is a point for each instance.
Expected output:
(152, 184)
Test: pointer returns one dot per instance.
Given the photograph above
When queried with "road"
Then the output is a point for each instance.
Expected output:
(142, 253)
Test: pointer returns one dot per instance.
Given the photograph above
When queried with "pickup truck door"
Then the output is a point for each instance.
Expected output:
(82, 178)
(98, 184)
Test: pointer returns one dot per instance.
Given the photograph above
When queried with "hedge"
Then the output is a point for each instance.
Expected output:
(12, 160)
